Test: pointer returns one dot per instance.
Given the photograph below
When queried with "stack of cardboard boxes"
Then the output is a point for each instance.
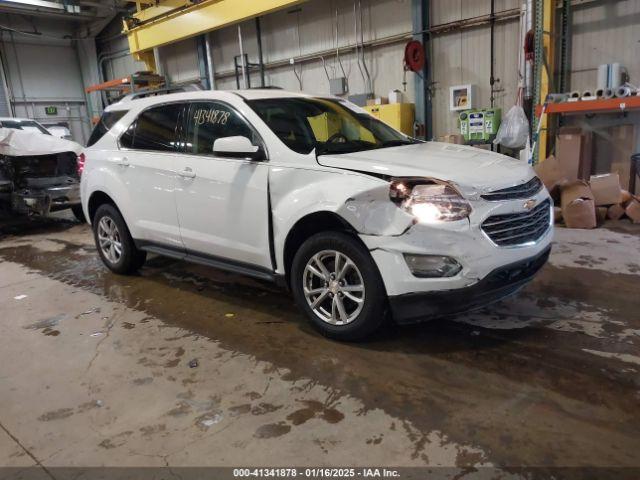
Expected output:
(587, 199)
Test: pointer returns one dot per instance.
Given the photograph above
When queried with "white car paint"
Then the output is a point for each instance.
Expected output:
(223, 207)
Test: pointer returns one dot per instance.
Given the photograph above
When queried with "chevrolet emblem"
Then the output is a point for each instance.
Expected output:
(529, 204)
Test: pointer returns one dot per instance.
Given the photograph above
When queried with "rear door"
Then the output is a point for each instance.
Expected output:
(146, 162)
(222, 202)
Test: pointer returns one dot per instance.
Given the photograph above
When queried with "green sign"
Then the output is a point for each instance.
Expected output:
(51, 110)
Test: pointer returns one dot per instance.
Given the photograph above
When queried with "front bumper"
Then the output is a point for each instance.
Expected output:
(500, 283)
(468, 244)
(41, 201)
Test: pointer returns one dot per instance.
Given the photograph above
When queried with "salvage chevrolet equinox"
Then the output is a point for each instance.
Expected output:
(361, 222)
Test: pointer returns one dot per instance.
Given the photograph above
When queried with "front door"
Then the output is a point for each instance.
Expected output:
(222, 202)
(146, 162)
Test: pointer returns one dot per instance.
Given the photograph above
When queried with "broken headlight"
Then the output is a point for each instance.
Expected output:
(429, 201)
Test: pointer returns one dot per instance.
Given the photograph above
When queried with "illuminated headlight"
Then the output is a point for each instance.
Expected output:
(429, 201)
(432, 266)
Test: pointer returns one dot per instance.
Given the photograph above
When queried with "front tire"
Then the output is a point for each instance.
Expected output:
(114, 243)
(338, 285)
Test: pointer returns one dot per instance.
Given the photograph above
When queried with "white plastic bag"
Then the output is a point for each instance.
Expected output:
(514, 129)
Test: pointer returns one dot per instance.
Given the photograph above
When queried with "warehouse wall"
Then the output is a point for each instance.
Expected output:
(309, 29)
(457, 57)
(43, 70)
(462, 57)
(113, 51)
(605, 32)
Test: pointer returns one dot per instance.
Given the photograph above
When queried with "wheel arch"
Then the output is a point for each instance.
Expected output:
(309, 225)
(96, 199)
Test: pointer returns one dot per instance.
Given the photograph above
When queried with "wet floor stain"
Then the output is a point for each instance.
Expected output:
(46, 323)
(272, 430)
(315, 409)
(58, 414)
(513, 391)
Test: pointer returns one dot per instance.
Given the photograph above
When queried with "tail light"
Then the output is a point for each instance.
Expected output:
(80, 163)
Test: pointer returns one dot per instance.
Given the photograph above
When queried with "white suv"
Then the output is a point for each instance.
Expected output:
(361, 222)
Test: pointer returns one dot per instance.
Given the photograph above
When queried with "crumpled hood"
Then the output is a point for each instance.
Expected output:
(471, 169)
(18, 143)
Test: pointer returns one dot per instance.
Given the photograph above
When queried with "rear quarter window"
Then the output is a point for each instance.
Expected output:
(108, 120)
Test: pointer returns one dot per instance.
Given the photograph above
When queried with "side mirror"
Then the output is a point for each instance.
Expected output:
(237, 147)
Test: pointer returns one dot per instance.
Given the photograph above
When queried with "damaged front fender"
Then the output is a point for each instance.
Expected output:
(360, 200)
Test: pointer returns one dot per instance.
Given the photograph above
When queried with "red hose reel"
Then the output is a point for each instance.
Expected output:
(414, 57)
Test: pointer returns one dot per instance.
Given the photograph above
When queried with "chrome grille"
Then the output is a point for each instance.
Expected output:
(525, 190)
(519, 228)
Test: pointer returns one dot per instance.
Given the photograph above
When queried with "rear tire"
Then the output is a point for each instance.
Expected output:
(114, 243)
(78, 213)
(345, 303)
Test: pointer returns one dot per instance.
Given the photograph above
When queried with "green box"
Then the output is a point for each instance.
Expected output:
(480, 125)
(51, 110)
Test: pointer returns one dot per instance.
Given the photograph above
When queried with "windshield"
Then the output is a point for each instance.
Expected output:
(26, 125)
(329, 126)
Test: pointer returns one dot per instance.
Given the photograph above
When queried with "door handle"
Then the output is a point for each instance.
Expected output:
(187, 173)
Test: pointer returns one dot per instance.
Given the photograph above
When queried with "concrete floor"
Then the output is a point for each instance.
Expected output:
(94, 368)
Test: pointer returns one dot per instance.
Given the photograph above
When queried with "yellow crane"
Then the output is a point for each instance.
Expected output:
(162, 22)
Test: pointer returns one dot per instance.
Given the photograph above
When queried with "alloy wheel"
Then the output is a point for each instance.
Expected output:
(109, 239)
(333, 287)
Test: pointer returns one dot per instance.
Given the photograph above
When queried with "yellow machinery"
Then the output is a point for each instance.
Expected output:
(161, 22)
(324, 126)
(548, 13)
(400, 116)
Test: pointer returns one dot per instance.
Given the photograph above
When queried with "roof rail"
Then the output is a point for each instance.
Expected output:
(152, 92)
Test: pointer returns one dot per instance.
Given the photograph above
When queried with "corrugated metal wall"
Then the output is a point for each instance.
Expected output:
(44, 71)
(603, 32)
(307, 30)
(457, 57)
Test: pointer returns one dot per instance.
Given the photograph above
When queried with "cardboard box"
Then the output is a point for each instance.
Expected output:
(574, 151)
(550, 172)
(633, 210)
(606, 189)
(623, 143)
(601, 214)
(396, 96)
(615, 212)
(626, 197)
(568, 155)
(613, 149)
(557, 214)
(578, 207)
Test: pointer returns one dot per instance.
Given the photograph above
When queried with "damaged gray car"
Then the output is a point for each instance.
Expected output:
(39, 173)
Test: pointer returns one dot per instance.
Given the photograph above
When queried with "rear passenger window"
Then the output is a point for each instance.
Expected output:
(208, 121)
(107, 120)
(154, 129)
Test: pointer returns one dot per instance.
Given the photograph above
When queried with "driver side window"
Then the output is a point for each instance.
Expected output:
(209, 121)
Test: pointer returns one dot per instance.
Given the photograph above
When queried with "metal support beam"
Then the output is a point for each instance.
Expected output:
(170, 21)
(36, 3)
(565, 46)
(421, 24)
(543, 68)
(211, 73)
(203, 66)
(260, 56)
